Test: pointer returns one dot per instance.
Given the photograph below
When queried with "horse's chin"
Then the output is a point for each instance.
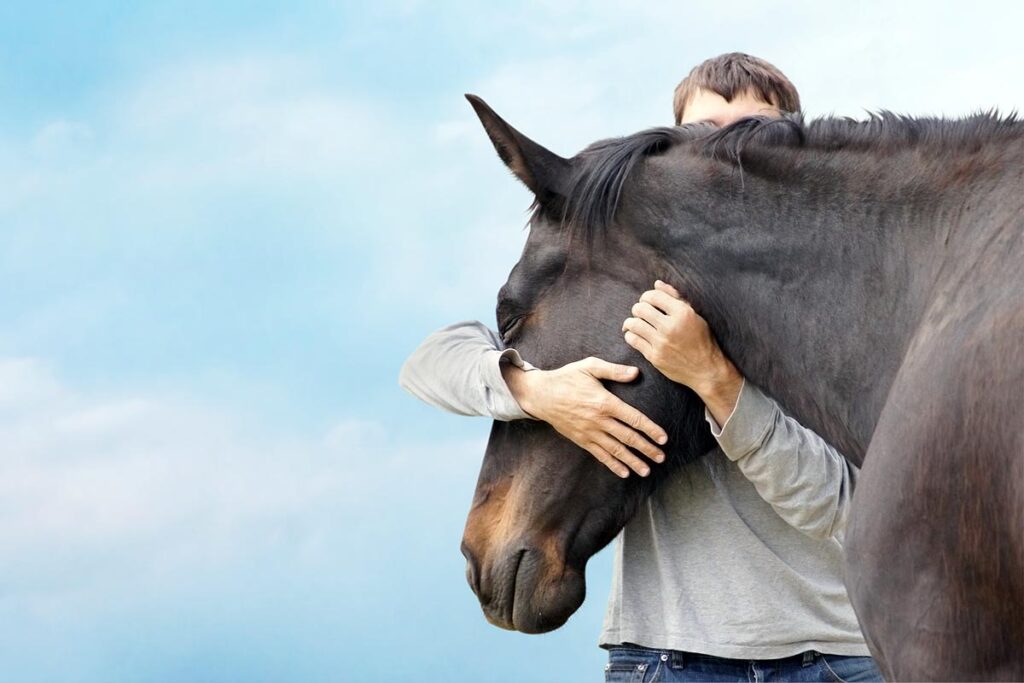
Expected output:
(536, 599)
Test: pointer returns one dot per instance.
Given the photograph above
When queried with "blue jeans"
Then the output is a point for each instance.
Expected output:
(636, 664)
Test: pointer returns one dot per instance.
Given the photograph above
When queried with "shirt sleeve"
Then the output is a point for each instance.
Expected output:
(458, 369)
(806, 481)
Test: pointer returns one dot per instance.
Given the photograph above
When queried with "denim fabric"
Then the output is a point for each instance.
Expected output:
(632, 664)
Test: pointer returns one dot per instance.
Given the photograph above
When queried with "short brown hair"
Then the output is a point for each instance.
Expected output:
(735, 73)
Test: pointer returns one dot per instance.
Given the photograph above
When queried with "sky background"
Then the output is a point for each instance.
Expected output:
(224, 225)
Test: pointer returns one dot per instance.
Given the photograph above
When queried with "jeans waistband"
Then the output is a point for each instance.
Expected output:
(679, 657)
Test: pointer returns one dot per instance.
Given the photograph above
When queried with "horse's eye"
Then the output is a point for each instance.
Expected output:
(510, 326)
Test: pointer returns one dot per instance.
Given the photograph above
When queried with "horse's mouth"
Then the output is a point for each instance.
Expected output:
(531, 601)
(517, 585)
(499, 607)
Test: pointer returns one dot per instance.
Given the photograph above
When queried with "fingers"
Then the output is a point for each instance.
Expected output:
(623, 455)
(602, 369)
(649, 314)
(667, 288)
(631, 438)
(664, 301)
(609, 461)
(639, 343)
(640, 328)
(623, 412)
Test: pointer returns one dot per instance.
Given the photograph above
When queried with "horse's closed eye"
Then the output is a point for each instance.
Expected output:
(511, 326)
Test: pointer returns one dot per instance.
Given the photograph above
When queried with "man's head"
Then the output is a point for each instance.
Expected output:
(726, 88)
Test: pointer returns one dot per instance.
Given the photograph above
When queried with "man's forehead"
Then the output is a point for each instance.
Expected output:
(707, 105)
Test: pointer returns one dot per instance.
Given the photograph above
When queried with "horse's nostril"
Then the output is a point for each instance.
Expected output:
(472, 568)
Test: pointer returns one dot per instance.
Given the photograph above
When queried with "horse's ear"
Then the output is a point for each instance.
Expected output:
(541, 170)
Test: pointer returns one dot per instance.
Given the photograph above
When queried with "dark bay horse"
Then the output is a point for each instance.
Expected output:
(869, 275)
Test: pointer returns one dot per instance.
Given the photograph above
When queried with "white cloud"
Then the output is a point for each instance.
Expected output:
(99, 489)
(193, 128)
(25, 383)
(60, 137)
(252, 116)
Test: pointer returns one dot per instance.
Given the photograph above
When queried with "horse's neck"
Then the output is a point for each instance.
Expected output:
(815, 303)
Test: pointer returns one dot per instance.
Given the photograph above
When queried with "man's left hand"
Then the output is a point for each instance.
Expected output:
(678, 342)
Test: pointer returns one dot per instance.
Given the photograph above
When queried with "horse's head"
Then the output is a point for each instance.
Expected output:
(543, 506)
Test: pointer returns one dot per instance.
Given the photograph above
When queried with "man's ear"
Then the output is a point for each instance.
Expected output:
(543, 171)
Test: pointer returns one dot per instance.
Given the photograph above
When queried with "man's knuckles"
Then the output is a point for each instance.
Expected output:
(605, 405)
(650, 296)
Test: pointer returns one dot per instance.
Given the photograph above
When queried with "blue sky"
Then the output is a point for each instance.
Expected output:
(224, 225)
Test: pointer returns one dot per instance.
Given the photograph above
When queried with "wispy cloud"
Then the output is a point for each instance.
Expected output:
(87, 472)
(127, 503)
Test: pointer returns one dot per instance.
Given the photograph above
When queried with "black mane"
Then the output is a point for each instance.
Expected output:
(603, 168)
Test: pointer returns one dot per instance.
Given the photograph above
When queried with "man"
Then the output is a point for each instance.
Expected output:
(732, 569)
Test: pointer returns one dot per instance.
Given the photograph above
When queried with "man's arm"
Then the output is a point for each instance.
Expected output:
(459, 369)
(462, 368)
(804, 479)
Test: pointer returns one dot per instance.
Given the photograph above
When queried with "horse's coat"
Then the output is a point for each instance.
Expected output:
(870, 276)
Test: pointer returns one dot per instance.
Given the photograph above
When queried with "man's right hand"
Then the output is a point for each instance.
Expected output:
(573, 401)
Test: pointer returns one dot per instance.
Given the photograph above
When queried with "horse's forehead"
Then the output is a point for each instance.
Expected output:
(544, 247)
(543, 255)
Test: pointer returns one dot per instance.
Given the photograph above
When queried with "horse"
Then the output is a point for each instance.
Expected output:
(869, 275)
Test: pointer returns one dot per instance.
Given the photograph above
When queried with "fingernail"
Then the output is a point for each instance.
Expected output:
(623, 473)
(660, 457)
(644, 472)
(663, 439)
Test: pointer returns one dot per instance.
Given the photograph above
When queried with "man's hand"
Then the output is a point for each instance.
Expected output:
(573, 401)
(677, 341)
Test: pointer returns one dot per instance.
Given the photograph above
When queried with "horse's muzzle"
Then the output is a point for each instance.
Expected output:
(523, 591)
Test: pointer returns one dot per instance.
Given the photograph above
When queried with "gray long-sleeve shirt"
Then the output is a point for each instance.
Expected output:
(736, 555)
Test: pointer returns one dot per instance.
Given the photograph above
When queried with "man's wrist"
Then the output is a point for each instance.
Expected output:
(519, 383)
(721, 391)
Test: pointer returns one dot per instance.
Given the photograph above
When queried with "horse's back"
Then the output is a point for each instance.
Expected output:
(935, 547)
